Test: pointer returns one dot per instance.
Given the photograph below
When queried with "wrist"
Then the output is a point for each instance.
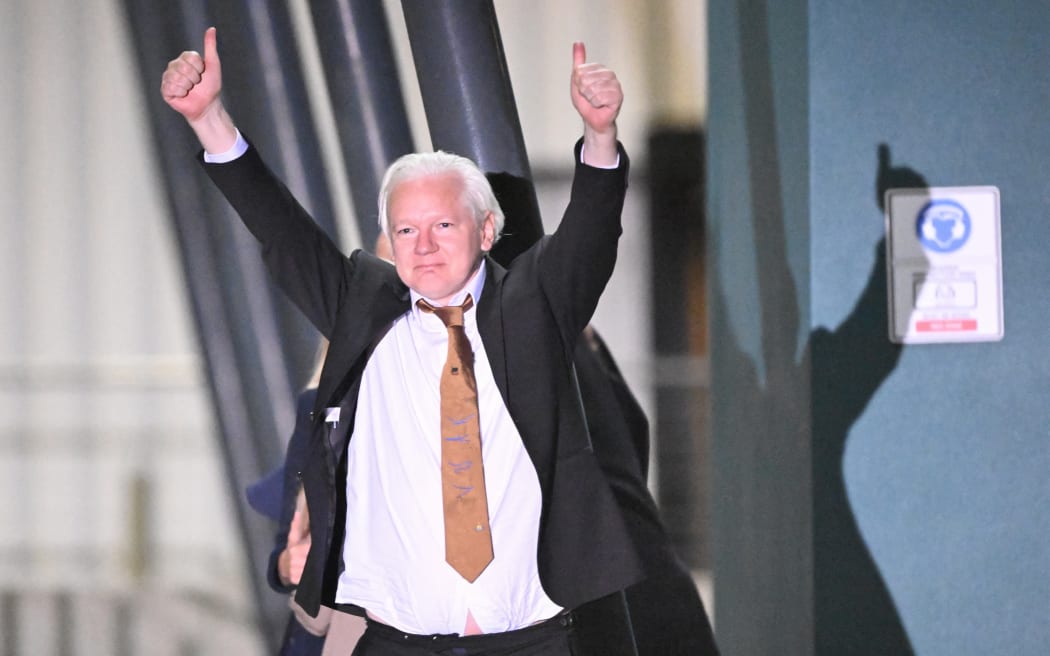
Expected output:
(600, 147)
(215, 129)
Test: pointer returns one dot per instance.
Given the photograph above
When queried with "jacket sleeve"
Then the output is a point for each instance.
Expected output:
(577, 260)
(303, 260)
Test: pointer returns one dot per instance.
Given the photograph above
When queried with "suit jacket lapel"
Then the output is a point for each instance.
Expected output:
(355, 334)
(490, 325)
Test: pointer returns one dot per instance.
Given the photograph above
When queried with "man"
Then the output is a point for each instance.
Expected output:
(374, 482)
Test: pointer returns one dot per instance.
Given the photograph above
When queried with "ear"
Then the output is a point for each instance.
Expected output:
(488, 232)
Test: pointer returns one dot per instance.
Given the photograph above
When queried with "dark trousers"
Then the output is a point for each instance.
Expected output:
(551, 638)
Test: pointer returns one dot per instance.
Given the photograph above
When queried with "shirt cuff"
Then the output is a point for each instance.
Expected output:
(583, 161)
(239, 147)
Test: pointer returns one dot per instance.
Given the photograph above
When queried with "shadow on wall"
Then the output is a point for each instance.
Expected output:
(854, 611)
(814, 401)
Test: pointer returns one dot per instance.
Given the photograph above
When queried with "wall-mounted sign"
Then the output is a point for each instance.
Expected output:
(944, 270)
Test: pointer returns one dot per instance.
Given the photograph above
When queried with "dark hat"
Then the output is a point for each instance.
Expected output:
(266, 494)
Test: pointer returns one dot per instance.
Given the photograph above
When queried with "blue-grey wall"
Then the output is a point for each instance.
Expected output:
(869, 498)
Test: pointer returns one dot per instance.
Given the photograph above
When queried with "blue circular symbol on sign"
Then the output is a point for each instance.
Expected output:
(943, 226)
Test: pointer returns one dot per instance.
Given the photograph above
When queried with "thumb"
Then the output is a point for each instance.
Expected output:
(884, 157)
(211, 50)
(295, 531)
(579, 53)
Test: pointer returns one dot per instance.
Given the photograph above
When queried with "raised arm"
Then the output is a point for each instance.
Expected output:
(303, 260)
(192, 86)
(575, 262)
(597, 97)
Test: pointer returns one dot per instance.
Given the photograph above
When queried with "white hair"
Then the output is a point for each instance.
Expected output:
(477, 192)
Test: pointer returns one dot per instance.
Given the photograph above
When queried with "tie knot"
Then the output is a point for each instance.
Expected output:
(450, 315)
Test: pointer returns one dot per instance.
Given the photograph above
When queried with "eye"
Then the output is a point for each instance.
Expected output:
(403, 231)
(445, 224)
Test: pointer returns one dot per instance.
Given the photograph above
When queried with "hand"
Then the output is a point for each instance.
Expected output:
(597, 96)
(292, 560)
(191, 85)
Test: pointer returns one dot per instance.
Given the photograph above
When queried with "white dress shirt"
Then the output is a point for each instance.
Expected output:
(394, 551)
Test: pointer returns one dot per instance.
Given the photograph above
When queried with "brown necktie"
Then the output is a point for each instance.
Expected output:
(468, 542)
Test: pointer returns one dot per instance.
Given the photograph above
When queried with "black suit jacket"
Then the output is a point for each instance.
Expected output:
(662, 615)
(294, 461)
(529, 319)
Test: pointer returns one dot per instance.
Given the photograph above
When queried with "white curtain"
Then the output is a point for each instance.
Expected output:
(110, 483)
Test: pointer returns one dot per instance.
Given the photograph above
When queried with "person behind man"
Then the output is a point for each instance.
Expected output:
(281, 500)
(553, 536)
(329, 633)
(662, 615)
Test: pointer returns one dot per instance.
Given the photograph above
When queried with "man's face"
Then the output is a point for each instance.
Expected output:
(436, 241)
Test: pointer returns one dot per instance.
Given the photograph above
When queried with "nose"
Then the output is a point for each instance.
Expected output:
(425, 243)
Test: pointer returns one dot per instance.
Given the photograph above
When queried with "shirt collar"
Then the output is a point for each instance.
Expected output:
(473, 287)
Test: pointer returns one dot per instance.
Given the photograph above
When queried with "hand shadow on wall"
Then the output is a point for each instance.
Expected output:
(853, 610)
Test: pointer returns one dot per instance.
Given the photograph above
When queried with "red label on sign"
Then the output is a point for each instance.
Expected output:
(946, 325)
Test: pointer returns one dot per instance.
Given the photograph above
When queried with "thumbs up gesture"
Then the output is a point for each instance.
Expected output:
(597, 96)
(191, 85)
